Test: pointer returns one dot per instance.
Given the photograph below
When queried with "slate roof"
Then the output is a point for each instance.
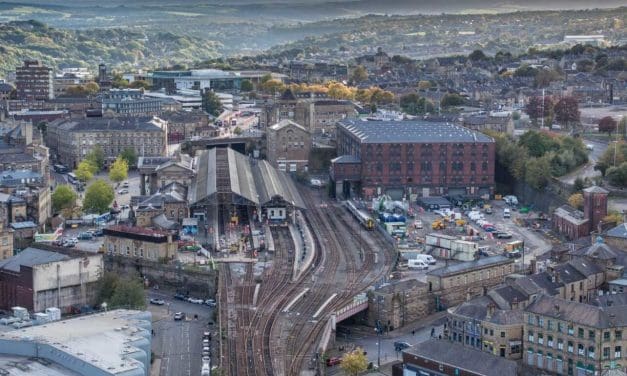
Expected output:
(568, 274)
(471, 265)
(31, 257)
(598, 250)
(586, 268)
(284, 123)
(619, 231)
(466, 358)
(92, 124)
(545, 282)
(580, 313)
(596, 189)
(609, 300)
(421, 132)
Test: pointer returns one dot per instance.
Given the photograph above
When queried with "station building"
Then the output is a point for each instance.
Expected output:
(233, 185)
(412, 159)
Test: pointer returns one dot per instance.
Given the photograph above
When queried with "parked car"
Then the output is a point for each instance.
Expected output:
(157, 301)
(399, 346)
(125, 184)
(333, 361)
(99, 232)
(85, 236)
(195, 300)
(179, 316)
(210, 302)
(180, 296)
(123, 191)
(503, 235)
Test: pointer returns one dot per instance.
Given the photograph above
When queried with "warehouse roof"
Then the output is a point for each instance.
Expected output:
(255, 181)
(421, 132)
(92, 124)
(471, 265)
(31, 257)
(465, 358)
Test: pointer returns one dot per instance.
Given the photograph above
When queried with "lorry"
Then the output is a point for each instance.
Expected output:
(514, 249)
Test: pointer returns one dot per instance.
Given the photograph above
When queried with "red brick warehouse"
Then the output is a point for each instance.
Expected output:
(412, 159)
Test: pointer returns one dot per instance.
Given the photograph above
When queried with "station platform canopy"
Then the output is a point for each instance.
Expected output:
(225, 176)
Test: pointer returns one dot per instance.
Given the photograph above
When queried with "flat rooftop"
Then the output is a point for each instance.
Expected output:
(404, 132)
(101, 340)
(21, 365)
(470, 265)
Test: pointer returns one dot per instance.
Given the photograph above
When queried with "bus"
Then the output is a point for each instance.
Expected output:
(71, 177)
(61, 169)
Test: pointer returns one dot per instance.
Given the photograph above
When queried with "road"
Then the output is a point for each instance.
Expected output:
(178, 344)
(587, 170)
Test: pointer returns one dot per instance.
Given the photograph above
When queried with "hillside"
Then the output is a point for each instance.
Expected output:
(58, 48)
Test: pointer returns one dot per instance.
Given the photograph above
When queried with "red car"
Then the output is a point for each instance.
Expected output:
(333, 361)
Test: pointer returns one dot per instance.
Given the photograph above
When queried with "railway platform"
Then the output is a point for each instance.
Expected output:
(305, 246)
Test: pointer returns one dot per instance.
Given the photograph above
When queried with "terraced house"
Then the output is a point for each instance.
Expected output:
(572, 338)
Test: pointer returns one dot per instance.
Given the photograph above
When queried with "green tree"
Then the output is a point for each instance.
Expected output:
(92, 88)
(246, 85)
(578, 184)
(537, 172)
(452, 99)
(130, 156)
(63, 197)
(118, 170)
(614, 155)
(96, 157)
(128, 293)
(477, 55)
(211, 103)
(416, 105)
(354, 362)
(98, 197)
(621, 128)
(617, 176)
(237, 131)
(106, 287)
(85, 171)
(359, 74)
(139, 84)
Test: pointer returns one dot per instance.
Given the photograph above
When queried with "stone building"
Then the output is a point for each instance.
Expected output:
(617, 236)
(171, 202)
(140, 243)
(71, 140)
(456, 283)
(398, 304)
(567, 337)
(327, 112)
(41, 277)
(159, 172)
(183, 125)
(289, 145)
(6, 242)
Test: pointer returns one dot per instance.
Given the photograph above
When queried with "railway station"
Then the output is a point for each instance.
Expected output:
(232, 189)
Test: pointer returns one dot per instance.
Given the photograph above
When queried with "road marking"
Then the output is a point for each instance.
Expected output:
(324, 305)
(295, 300)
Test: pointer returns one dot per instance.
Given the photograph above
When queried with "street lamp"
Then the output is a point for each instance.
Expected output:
(378, 328)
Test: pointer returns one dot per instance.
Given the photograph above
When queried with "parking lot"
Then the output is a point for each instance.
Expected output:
(177, 344)
(535, 243)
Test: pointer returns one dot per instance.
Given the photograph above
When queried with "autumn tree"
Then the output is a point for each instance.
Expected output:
(359, 74)
(452, 99)
(338, 90)
(85, 171)
(607, 125)
(567, 111)
(140, 84)
(354, 362)
(576, 200)
(272, 86)
(536, 108)
(63, 197)
(98, 197)
(118, 170)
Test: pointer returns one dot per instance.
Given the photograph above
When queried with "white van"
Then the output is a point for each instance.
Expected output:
(417, 264)
(507, 213)
(426, 258)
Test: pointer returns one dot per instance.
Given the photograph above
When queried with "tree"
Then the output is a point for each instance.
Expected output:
(576, 200)
(614, 155)
(608, 125)
(63, 197)
(118, 170)
(354, 362)
(578, 184)
(106, 287)
(537, 172)
(452, 99)
(416, 105)
(246, 85)
(536, 108)
(96, 157)
(272, 86)
(85, 171)
(139, 84)
(622, 127)
(477, 55)
(92, 88)
(613, 217)
(338, 90)
(617, 176)
(544, 77)
(567, 110)
(98, 197)
(380, 96)
(211, 103)
(129, 293)
(359, 74)
(424, 85)
(130, 156)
